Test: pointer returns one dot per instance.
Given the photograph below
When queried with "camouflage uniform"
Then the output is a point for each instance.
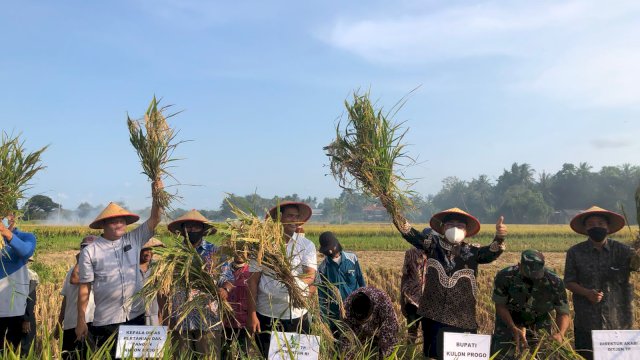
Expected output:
(529, 299)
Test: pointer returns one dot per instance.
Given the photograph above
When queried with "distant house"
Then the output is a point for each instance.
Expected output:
(316, 213)
(563, 216)
(375, 213)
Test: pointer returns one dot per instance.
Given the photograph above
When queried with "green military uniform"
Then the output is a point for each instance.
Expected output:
(530, 295)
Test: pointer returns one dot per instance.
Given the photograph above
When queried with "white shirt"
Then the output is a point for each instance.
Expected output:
(14, 290)
(152, 309)
(273, 297)
(70, 293)
(115, 274)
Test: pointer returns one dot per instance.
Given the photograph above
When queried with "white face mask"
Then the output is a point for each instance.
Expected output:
(454, 235)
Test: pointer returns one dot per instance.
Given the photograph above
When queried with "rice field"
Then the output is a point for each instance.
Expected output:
(359, 237)
(378, 246)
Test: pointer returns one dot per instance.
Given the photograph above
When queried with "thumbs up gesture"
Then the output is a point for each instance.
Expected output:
(501, 228)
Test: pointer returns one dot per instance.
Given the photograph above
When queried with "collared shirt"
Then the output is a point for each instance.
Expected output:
(113, 268)
(70, 293)
(346, 276)
(607, 270)
(381, 324)
(14, 276)
(273, 297)
(414, 277)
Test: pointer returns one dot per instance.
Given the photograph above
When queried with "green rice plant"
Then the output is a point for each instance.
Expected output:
(155, 141)
(17, 168)
(368, 155)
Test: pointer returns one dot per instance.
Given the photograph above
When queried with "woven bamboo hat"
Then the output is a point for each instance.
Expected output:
(113, 210)
(438, 220)
(153, 242)
(193, 215)
(304, 209)
(615, 220)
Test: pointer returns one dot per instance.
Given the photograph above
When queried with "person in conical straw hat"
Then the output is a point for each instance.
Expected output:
(269, 301)
(194, 334)
(152, 313)
(597, 272)
(448, 303)
(109, 267)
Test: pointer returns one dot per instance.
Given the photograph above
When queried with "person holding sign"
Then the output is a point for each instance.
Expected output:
(110, 268)
(449, 300)
(597, 272)
(340, 270)
(525, 295)
(269, 301)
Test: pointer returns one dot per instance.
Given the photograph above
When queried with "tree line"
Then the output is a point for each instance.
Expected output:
(520, 193)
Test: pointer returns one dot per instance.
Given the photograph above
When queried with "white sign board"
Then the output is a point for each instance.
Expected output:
(303, 347)
(140, 341)
(459, 346)
(616, 344)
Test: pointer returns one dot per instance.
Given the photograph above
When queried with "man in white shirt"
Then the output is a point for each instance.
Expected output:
(269, 302)
(68, 317)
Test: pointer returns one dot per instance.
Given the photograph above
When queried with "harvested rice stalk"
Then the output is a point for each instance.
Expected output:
(368, 155)
(17, 168)
(263, 241)
(181, 269)
(155, 142)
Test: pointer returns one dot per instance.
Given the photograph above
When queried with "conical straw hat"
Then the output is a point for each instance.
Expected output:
(304, 209)
(437, 224)
(615, 220)
(113, 210)
(153, 242)
(193, 215)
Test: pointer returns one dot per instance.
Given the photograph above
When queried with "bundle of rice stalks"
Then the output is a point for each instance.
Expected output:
(155, 142)
(263, 241)
(189, 283)
(368, 155)
(17, 168)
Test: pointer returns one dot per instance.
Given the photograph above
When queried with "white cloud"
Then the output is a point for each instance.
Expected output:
(582, 52)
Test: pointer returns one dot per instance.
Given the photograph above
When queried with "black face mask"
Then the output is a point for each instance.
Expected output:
(194, 237)
(597, 234)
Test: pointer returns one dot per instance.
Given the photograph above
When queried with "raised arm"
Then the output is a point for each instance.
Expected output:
(156, 211)
(489, 253)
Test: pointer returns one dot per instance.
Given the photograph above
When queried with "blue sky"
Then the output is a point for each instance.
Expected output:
(263, 83)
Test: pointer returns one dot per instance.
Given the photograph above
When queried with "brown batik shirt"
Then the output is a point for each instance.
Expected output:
(608, 271)
(414, 276)
(451, 288)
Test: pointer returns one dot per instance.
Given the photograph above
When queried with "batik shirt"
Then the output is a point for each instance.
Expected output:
(529, 302)
(208, 316)
(451, 288)
(382, 325)
(414, 278)
(607, 270)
